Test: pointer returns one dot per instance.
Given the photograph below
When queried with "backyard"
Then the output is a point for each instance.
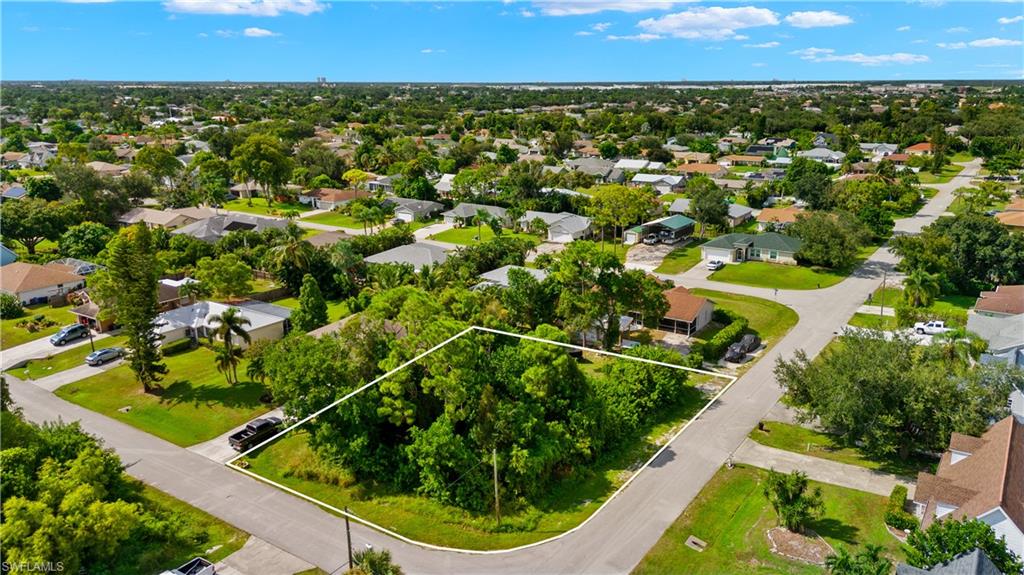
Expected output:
(259, 207)
(799, 439)
(469, 235)
(195, 404)
(732, 515)
(336, 309)
(61, 359)
(12, 335)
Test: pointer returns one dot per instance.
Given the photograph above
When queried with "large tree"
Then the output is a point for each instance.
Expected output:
(262, 159)
(227, 325)
(810, 181)
(226, 277)
(128, 288)
(29, 221)
(709, 203)
(84, 240)
(312, 312)
(828, 239)
(159, 163)
(618, 206)
(944, 540)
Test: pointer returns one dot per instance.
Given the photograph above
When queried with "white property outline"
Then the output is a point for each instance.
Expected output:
(231, 462)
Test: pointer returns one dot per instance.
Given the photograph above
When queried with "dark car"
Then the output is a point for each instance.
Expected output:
(741, 348)
(69, 334)
(255, 432)
(101, 356)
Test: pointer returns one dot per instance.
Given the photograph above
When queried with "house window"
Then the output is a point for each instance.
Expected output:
(755, 253)
(773, 255)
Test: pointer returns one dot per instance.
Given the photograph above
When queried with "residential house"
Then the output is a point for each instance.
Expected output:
(898, 159)
(330, 198)
(973, 562)
(672, 228)
(689, 157)
(922, 149)
(1006, 300)
(774, 219)
(767, 247)
(740, 160)
(267, 322)
(384, 184)
(90, 314)
(1013, 215)
(499, 277)
(411, 210)
(108, 169)
(759, 150)
(327, 239)
(824, 155)
(75, 266)
(214, 228)
(602, 170)
(635, 165)
(1004, 334)
(979, 478)
(877, 151)
(687, 313)
(416, 254)
(12, 192)
(444, 185)
(562, 227)
(7, 256)
(709, 170)
(737, 213)
(14, 160)
(463, 214)
(33, 284)
(168, 219)
(824, 140)
(662, 183)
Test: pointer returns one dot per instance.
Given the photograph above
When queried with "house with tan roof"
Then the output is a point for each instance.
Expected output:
(982, 478)
(108, 169)
(687, 313)
(777, 218)
(710, 170)
(740, 160)
(33, 284)
(330, 198)
(1004, 301)
(690, 157)
(167, 219)
(922, 149)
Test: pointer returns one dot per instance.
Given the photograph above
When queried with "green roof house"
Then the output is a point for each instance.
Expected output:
(767, 247)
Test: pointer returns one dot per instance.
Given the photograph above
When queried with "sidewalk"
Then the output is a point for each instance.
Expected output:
(874, 309)
(818, 469)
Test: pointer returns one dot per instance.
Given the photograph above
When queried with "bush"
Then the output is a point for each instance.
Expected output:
(10, 306)
(732, 332)
(895, 514)
(907, 316)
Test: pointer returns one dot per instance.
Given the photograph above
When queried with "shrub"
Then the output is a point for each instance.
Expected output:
(10, 306)
(895, 514)
(716, 346)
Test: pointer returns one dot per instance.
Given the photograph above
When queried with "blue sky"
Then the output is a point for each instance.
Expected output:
(521, 41)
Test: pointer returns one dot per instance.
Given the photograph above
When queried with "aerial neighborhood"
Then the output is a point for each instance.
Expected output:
(663, 328)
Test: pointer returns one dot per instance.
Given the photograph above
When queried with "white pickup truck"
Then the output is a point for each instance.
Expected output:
(933, 327)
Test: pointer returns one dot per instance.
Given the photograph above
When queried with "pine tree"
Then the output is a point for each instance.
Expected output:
(312, 312)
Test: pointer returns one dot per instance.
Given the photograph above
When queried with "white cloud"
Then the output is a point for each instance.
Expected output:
(957, 30)
(1013, 20)
(919, 41)
(995, 65)
(763, 45)
(715, 23)
(759, 64)
(245, 7)
(526, 13)
(822, 19)
(601, 26)
(903, 29)
(225, 33)
(433, 51)
(829, 55)
(582, 7)
(980, 43)
(259, 33)
(635, 37)
(202, 35)
(584, 33)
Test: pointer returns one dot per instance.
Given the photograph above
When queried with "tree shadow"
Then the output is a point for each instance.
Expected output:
(835, 529)
(245, 394)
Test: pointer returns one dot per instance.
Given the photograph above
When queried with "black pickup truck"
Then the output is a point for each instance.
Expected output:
(256, 431)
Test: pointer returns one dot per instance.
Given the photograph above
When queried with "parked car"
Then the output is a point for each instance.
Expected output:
(69, 333)
(715, 265)
(196, 566)
(737, 351)
(668, 237)
(651, 239)
(101, 356)
(933, 327)
(252, 434)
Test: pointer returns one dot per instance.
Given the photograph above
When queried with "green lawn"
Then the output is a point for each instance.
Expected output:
(961, 157)
(888, 296)
(61, 359)
(260, 285)
(617, 248)
(731, 514)
(874, 321)
(959, 207)
(415, 225)
(948, 171)
(210, 533)
(810, 442)
(952, 306)
(337, 219)
(763, 274)
(12, 335)
(680, 259)
(291, 463)
(259, 207)
(669, 198)
(43, 247)
(468, 235)
(336, 309)
(768, 319)
(196, 403)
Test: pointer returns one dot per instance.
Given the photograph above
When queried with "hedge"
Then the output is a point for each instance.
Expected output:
(895, 514)
(732, 332)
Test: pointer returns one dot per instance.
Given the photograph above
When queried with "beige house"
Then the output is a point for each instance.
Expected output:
(33, 284)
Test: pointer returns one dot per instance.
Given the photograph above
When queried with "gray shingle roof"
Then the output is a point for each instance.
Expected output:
(467, 210)
(768, 240)
(416, 254)
(971, 563)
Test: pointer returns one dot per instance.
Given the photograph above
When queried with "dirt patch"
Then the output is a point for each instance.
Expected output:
(648, 256)
(809, 547)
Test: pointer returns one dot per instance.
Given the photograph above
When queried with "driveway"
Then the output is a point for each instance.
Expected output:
(427, 231)
(62, 378)
(38, 349)
(217, 449)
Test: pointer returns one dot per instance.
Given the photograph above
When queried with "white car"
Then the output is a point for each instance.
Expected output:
(933, 327)
(715, 265)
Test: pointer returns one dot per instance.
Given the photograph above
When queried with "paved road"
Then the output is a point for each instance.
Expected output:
(38, 349)
(818, 469)
(614, 541)
(62, 378)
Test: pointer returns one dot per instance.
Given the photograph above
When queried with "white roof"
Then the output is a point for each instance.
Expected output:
(630, 164)
(197, 314)
(499, 276)
(656, 178)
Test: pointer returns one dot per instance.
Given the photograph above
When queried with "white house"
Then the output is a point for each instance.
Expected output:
(409, 210)
(635, 165)
(824, 155)
(464, 213)
(563, 227)
(662, 183)
(767, 247)
(33, 284)
(266, 321)
(499, 277)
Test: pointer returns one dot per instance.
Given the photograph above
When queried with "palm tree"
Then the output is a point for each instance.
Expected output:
(388, 276)
(869, 561)
(227, 361)
(193, 290)
(226, 325)
(960, 346)
(294, 252)
(482, 217)
(920, 288)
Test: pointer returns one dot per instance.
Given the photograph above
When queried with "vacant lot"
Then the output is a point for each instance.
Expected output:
(681, 259)
(731, 514)
(196, 403)
(471, 235)
(336, 219)
(259, 207)
(768, 319)
(948, 171)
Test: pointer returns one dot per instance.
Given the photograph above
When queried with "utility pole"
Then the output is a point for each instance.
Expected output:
(497, 501)
(348, 537)
(881, 298)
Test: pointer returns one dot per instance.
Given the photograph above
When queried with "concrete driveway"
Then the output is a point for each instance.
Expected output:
(62, 378)
(38, 349)
(218, 449)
